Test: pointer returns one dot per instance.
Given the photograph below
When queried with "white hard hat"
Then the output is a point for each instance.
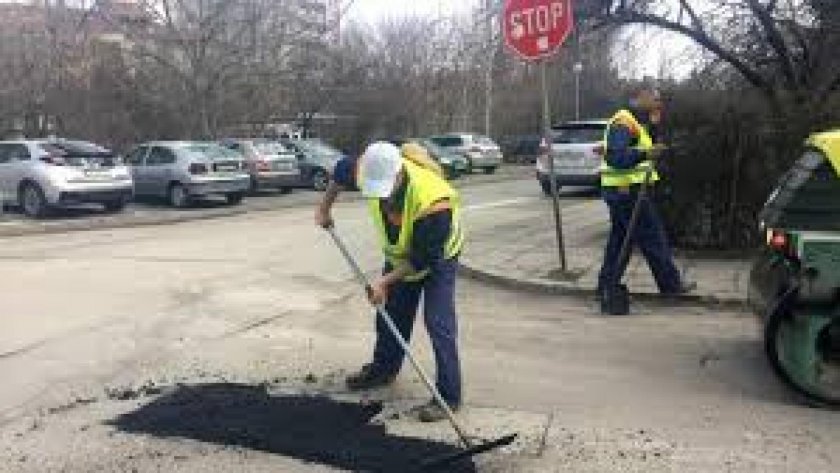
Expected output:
(380, 166)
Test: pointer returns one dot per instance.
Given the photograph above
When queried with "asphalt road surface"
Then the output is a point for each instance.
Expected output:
(143, 349)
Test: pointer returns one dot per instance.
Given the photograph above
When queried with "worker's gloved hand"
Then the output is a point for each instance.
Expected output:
(378, 292)
(323, 218)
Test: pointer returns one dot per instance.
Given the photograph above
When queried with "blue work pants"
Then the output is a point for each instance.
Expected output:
(438, 291)
(649, 236)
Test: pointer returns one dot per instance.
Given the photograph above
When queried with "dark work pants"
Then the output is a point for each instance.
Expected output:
(438, 291)
(649, 236)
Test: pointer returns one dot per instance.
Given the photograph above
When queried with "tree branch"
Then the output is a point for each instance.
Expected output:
(775, 40)
(751, 75)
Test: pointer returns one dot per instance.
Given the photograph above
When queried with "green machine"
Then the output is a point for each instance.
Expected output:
(795, 282)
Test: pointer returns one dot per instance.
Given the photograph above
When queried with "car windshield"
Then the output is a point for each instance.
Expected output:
(319, 148)
(434, 149)
(483, 140)
(81, 153)
(211, 151)
(270, 147)
(579, 133)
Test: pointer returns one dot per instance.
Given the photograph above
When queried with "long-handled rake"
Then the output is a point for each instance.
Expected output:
(471, 448)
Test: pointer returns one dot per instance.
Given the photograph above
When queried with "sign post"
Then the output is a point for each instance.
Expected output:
(535, 30)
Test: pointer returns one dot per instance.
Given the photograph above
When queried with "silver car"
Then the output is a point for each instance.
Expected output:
(270, 164)
(576, 148)
(481, 152)
(183, 171)
(41, 175)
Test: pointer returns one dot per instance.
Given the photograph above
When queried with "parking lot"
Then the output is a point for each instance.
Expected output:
(147, 211)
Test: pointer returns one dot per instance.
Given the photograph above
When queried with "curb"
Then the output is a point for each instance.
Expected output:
(92, 225)
(112, 223)
(544, 286)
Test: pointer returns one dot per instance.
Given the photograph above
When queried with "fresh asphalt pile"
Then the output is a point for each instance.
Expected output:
(309, 428)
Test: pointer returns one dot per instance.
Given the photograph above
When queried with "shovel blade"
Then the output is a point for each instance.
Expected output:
(441, 462)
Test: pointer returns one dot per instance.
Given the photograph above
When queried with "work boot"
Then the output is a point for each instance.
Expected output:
(369, 377)
(685, 288)
(432, 412)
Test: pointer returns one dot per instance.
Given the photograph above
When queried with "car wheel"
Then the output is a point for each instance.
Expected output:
(115, 205)
(178, 196)
(32, 201)
(320, 180)
(285, 190)
(234, 198)
(489, 170)
(546, 187)
(255, 186)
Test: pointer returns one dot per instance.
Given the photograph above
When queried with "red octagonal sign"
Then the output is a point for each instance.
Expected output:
(535, 29)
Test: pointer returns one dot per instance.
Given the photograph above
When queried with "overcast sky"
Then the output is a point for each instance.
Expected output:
(372, 10)
(663, 47)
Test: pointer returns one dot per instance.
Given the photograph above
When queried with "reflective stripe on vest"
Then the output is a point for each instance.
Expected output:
(424, 195)
(611, 177)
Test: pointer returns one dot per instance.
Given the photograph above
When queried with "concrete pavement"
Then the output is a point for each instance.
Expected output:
(103, 324)
(521, 251)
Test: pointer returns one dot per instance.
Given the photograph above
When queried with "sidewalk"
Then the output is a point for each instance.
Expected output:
(520, 251)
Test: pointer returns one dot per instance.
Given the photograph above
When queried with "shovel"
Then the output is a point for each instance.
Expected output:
(615, 299)
(471, 447)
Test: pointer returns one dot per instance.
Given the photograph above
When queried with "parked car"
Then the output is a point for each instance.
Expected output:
(270, 164)
(576, 148)
(454, 164)
(183, 171)
(316, 160)
(795, 281)
(480, 151)
(41, 175)
(521, 149)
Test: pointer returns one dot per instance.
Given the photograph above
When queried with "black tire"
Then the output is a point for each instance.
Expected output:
(320, 180)
(254, 187)
(234, 198)
(115, 205)
(489, 170)
(32, 201)
(177, 196)
(546, 187)
(775, 323)
(285, 190)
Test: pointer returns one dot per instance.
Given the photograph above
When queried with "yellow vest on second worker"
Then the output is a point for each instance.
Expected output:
(425, 190)
(611, 177)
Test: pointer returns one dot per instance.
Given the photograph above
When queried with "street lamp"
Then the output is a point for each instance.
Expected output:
(578, 69)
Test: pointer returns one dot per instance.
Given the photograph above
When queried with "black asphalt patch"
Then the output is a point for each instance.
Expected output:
(311, 429)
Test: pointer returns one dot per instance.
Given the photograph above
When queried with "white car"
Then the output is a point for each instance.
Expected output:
(480, 151)
(41, 175)
(576, 148)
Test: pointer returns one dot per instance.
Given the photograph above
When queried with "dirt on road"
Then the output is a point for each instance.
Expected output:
(222, 346)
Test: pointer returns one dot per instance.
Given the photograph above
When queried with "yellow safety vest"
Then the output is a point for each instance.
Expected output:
(425, 190)
(829, 143)
(611, 177)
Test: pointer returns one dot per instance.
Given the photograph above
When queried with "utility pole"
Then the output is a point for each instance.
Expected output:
(578, 70)
(488, 72)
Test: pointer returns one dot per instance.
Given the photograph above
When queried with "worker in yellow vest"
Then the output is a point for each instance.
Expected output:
(417, 216)
(630, 151)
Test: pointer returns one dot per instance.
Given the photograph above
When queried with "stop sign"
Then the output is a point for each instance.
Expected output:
(536, 29)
